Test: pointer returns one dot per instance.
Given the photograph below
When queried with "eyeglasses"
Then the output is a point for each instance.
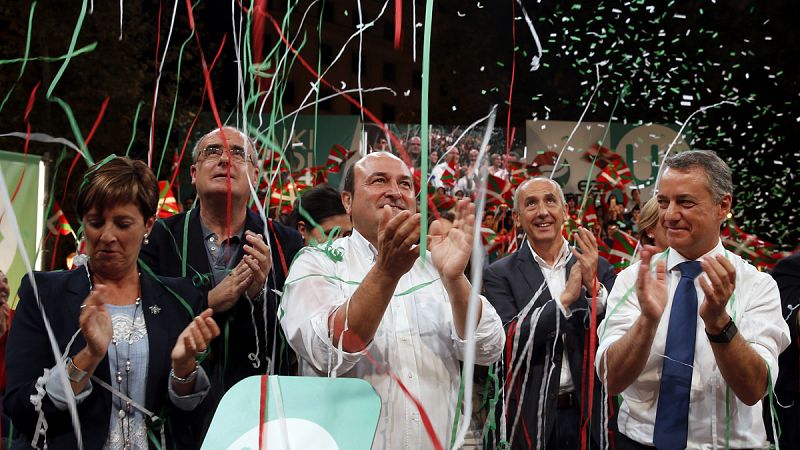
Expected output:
(214, 153)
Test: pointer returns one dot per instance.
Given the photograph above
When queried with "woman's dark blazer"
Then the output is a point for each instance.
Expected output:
(29, 352)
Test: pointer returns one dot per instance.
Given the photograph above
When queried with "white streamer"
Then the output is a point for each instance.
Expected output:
(680, 132)
(536, 58)
(476, 280)
(60, 368)
(578, 123)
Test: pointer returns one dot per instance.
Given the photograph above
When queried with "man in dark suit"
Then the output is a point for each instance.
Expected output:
(544, 295)
(230, 254)
(787, 389)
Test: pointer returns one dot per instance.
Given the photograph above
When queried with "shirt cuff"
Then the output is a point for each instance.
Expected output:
(564, 310)
(190, 401)
(55, 390)
(602, 296)
(325, 355)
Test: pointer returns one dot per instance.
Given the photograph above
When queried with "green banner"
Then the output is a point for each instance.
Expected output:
(24, 178)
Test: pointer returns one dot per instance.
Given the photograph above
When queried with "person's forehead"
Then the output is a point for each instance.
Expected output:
(684, 181)
(232, 136)
(122, 209)
(383, 163)
(539, 187)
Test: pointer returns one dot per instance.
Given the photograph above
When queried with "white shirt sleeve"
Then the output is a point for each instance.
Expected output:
(55, 390)
(622, 310)
(189, 402)
(761, 322)
(489, 337)
(310, 295)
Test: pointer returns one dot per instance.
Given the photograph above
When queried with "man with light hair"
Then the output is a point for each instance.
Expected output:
(694, 333)
(544, 294)
(230, 254)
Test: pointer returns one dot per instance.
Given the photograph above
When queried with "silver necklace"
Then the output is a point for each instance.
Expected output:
(124, 413)
(125, 410)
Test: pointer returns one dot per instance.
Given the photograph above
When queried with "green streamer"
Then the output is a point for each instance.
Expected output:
(457, 415)
(135, 121)
(426, 71)
(71, 49)
(334, 278)
(85, 49)
(75, 129)
(490, 424)
(174, 104)
(25, 59)
(174, 294)
(622, 93)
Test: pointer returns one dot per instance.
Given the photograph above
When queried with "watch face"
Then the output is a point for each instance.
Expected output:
(730, 331)
(727, 334)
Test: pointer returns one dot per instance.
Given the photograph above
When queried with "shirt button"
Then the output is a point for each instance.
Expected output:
(410, 375)
(213, 248)
(212, 238)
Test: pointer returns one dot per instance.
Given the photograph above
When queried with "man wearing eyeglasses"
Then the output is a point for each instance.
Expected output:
(221, 245)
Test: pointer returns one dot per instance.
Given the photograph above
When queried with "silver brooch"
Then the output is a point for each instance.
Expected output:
(155, 309)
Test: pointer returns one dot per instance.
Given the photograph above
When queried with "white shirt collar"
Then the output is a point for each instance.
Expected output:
(674, 257)
(363, 246)
(562, 258)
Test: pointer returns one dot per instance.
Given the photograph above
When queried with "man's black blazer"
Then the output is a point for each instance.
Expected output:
(510, 284)
(787, 274)
(228, 363)
(28, 353)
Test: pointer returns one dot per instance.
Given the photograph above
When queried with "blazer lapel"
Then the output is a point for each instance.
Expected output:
(196, 255)
(532, 275)
(157, 323)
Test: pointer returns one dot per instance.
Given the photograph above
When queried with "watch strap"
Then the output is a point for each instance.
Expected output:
(726, 335)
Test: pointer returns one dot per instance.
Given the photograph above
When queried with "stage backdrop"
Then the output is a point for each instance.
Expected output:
(25, 176)
(641, 147)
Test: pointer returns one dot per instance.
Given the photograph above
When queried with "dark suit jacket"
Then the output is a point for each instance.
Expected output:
(510, 284)
(787, 275)
(228, 363)
(29, 353)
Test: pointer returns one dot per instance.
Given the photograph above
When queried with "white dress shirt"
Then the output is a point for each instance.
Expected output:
(755, 307)
(556, 278)
(416, 339)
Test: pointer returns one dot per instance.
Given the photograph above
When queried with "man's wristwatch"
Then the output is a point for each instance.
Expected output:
(726, 335)
(75, 374)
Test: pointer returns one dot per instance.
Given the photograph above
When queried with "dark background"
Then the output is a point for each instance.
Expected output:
(656, 55)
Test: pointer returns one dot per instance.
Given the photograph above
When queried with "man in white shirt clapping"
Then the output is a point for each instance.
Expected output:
(371, 293)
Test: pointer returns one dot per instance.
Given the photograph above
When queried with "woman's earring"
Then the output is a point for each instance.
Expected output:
(146, 241)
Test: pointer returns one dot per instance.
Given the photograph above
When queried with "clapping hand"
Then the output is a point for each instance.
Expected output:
(651, 290)
(95, 322)
(451, 249)
(194, 339)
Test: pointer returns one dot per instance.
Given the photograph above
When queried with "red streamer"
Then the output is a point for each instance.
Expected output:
(97, 121)
(262, 412)
(395, 140)
(513, 74)
(28, 108)
(398, 22)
